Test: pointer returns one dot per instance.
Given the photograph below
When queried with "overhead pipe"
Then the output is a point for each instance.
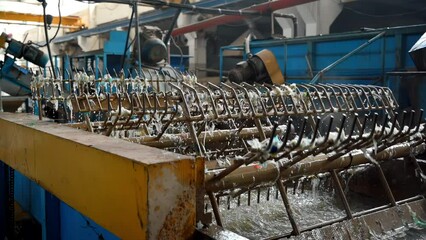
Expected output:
(247, 45)
(263, 8)
(292, 17)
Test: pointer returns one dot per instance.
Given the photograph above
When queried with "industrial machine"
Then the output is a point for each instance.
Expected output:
(149, 152)
(15, 80)
(255, 139)
(19, 78)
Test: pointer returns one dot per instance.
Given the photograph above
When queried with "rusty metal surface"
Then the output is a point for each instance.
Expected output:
(272, 67)
(252, 176)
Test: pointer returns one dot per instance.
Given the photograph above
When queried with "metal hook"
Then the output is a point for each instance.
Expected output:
(274, 129)
(328, 130)
(287, 133)
(317, 123)
(302, 131)
(419, 120)
(339, 134)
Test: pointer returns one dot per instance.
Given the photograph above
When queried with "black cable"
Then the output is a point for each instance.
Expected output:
(172, 25)
(180, 51)
(59, 23)
(57, 29)
(123, 58)
(46, 34)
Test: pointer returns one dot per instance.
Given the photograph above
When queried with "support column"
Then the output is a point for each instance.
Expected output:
(53, 216)
(197, 44)
(6, 201)
(197, 49)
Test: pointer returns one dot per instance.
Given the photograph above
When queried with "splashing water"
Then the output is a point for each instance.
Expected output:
(313, 206)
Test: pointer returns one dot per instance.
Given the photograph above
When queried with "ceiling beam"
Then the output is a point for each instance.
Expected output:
(28, 17)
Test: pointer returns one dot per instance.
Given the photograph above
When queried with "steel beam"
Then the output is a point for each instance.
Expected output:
(134, 191)
(4, 190)
(28, 17)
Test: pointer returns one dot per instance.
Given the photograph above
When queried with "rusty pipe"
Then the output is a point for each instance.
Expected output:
(270, 172)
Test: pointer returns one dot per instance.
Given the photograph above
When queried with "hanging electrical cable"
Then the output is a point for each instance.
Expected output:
(59, 23)
(57, 29)
(46, 34)
(126, 46)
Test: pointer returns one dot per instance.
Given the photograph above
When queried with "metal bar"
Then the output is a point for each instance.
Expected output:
(385, 184)
(123, 58)
(28, 17)
(342, 59)
(215, 208)
(311, 165)
(341, 193)
(319, 225)
(138, 37)
(370, 211)
(290, 215)
(88, 123)
(172, 25)
(40, 106)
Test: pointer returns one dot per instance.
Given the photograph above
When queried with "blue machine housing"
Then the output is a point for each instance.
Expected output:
(14, 80)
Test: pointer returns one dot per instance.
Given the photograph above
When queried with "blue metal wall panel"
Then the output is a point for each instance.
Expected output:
(291, 58)
(30, 196)
(74, 225)
(366, 62)
(22, 191)
(53, 217)
(116, 42)
(296, 64)
(390, 61)
(386, 54)
(63, 220)
(37, 202)
(408, 42)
